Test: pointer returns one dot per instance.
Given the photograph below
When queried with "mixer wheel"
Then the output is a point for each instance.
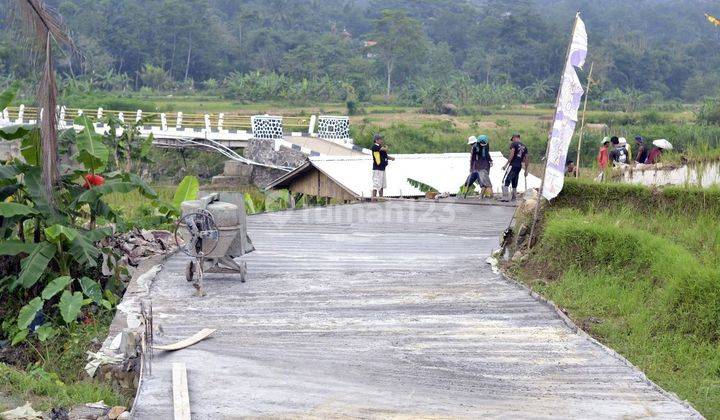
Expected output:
(190, 271)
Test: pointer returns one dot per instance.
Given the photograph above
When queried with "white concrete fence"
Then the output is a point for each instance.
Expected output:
(230, 130)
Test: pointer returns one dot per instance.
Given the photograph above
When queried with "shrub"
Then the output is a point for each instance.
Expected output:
(684, 294)
(709, 112)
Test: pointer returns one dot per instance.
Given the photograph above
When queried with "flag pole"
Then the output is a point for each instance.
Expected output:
(582, 122)
(547, 147)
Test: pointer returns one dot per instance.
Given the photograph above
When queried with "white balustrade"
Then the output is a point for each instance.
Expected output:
(99, 113)
(178, 121)
(221, 117)
(207, 123)
(138, 115)
(21, 114)
(163, 122)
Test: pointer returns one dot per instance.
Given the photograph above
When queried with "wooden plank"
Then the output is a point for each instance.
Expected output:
(198, 336)
(181, 396)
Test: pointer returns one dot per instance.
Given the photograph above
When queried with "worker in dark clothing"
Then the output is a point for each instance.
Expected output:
(642, 151)
(480, 163)
(517, 159)
(380, 162)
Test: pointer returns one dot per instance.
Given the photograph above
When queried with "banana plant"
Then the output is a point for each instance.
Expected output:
(53, 244)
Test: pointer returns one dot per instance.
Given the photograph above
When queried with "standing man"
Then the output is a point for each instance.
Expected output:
(517, 159)
(603, 157)
(380, 162)
(642, 151)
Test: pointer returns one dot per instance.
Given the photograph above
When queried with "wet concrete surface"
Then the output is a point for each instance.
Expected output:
(382, 310)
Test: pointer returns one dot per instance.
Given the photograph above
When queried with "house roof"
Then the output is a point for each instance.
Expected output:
(446, 172)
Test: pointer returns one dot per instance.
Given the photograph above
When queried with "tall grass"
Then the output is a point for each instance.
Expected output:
(646, 265)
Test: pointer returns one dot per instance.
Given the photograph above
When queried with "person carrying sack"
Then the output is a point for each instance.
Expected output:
(480, 163)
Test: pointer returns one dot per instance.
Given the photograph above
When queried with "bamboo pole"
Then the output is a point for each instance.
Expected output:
(582, 122)
(547, 147)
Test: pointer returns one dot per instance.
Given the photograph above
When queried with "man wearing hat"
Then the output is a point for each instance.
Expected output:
(480, 163)
(517, 159)
(380, 162)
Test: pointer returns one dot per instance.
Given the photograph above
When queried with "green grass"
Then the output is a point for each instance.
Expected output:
(46, 390)
(647, 265)
(55, 376)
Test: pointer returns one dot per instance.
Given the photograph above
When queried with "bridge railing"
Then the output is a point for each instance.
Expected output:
(175, 128)
(222, 121)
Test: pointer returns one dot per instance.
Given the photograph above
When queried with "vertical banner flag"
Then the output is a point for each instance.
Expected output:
(566, 114)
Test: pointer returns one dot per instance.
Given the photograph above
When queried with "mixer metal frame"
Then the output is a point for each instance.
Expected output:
(202, 229)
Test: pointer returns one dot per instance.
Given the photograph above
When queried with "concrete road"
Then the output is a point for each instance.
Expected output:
(382, 310)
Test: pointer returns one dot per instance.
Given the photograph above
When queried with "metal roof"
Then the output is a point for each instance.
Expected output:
(446, 172)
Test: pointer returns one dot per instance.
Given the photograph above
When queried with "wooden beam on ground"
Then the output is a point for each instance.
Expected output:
(181, 396)
(197, 337)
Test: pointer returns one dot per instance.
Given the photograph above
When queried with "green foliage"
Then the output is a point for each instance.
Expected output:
(15, 209)
(55, 286)
(154, 77)
(644, 263)
(28, 312)
(187, 190)
(15, 247)
(46, 390)
(91, 289)
(709, 112)
(70, 305)
(421, 186)
(439, 39)
(56, 242)
(586, 195)
(34, 265)
(92, 152)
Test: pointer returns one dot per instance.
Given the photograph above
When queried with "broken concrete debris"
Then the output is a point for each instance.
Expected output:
(25, 412)
(135, 246)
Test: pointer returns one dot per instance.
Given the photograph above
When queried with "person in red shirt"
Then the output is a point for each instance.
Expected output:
(654, 156)
(603, 157)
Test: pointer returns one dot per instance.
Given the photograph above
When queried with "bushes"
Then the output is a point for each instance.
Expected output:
(709, 112)
(682, 294)
(587, 195)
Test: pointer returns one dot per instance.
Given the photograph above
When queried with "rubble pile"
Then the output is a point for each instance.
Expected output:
(134, 246)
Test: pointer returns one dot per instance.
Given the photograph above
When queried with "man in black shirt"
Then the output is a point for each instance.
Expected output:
(517, 159)
(380, 162)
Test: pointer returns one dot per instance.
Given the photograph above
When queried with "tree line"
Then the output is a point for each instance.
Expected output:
(352, 49)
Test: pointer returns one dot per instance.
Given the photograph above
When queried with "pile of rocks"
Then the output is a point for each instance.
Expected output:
(135, 246)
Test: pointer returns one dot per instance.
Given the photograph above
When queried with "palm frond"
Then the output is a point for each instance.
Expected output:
(44, 27)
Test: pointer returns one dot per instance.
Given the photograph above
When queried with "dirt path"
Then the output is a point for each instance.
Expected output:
(377, 310)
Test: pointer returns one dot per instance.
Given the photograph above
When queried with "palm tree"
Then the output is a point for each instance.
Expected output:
(45, 29)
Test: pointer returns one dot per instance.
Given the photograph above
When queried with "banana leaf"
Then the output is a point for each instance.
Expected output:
(55, 287)
(187, 190)
(33, 266)
(70, 305)
(16, 209)
(92, 152)
(421, 186)
(14, 247)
